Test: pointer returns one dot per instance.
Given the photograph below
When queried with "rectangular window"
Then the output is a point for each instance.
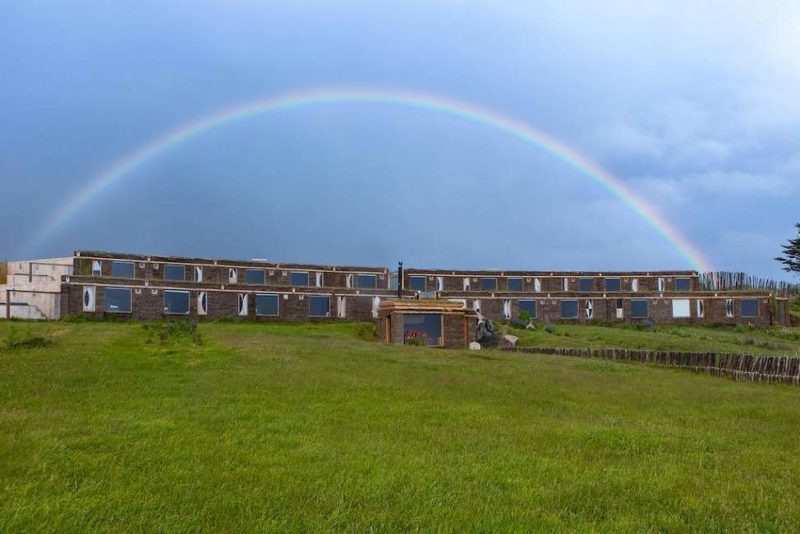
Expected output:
(426, 328)
(569, 309)
(267, 305)
(586, 284)
(117, 300)
(123, 269)
(640, 309)
(417, 283)
(366, 281)
(683, 284)
(613, 285)
(176, 302)
(97, 268)
(319, 306)
(393, 281)
(255, 276)
(681, 309)
(515, 284)
(174, 272)
(298, 279)
(488, 284)
(528, 306)
(749, 308)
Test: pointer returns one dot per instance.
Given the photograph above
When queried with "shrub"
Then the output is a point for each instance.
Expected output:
(367, 332)
(13, 340)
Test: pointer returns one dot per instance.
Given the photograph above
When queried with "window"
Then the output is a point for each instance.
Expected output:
(122, 269)
(613, 285)
(640, 309)
(97, 268)
(198, 273)
(416, 283)
(589, 309)
(319, 306)
(635, 285)
(488, 284)
(729, 308)
(586, 284)
(298, 278)
(528, 306)
(681, 309)
(683, 284)
(701, 309)
(620, 310)
(393, 281)
(749, 308)
(515, 284)
(117, 299)
(174, 272)
(569, 309)
(267, 305)
(176, 302)
(366, 281)
(426, 327)
(255, 276)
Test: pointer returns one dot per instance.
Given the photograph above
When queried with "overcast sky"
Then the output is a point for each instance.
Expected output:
(693, 104)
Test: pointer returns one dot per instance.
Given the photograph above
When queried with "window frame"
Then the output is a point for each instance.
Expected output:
(618, 280)
(486, 279)
(515, 279)
(416, 276)
(167, 267)
(176, 291)
(582, 281)
(113, 288)
(277, 304)
(741, 308)
(633, 308)
(126, 263)
(253, 270)
(292, 275)
(561, 304)
(530, 301)
(688, 282)
(372, 276)
(311, 298)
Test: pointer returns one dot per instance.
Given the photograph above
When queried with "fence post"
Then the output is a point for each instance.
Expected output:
(8, 304)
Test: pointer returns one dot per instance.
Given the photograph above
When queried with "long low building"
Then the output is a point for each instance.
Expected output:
(99, 284)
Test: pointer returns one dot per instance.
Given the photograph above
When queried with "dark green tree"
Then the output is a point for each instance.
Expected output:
(791, 254)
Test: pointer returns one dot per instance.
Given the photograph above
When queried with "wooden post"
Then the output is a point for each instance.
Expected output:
(8, 304)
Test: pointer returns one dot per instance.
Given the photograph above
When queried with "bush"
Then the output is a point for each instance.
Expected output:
(173, 331)
(367, 332)
(14, 340)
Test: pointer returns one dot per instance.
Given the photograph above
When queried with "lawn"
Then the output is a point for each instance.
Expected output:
(739, 340)
(108, 426)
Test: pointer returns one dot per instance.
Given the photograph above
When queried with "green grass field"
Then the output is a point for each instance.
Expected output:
(108, 426)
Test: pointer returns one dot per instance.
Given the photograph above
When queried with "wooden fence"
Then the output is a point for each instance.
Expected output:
(732, 281)
(772, 369)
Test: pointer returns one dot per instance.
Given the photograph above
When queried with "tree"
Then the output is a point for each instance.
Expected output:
(791, 254)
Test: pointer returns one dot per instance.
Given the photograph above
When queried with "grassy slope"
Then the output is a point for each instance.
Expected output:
(307, 428)
(768, 341)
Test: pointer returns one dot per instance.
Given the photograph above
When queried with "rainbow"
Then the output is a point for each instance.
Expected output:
(389, 97)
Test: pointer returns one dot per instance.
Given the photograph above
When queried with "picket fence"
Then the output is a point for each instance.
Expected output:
(743, 367)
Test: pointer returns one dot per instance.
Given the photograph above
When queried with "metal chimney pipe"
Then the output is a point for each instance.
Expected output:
(399, 279)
